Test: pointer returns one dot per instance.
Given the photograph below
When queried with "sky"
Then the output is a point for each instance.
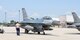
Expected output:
(37, 8)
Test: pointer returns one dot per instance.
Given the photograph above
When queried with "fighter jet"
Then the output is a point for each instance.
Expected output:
(76, 20)
(35, 25)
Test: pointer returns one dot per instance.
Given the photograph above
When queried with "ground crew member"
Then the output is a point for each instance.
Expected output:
(18, 28)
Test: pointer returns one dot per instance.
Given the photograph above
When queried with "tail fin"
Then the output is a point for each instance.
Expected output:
(24, 14)
(75, 17)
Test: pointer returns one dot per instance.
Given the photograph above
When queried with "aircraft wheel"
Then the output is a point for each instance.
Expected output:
(26, 31)
(38, 32)
(78, 28)
(43, 33)
(2, 31)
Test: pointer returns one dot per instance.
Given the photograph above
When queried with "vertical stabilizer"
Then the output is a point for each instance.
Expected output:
(75, 17)
(24, 14)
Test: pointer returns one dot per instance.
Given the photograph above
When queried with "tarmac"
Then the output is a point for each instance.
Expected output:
(55, 34)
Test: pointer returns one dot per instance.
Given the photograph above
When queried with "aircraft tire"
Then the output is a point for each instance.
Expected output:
(2, 31)
(78, 28)
(43, 33)
(26, 31)
(38, 32)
